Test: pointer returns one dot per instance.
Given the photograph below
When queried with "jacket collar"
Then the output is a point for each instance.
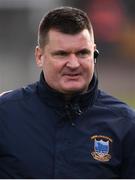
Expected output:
(57, 100)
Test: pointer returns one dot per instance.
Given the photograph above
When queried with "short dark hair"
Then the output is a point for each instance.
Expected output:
(65, 19)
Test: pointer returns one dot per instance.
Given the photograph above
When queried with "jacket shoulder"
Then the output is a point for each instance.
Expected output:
(18, 94)
(115, 105)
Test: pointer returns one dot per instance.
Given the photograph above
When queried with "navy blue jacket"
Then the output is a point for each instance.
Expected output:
(43, 136)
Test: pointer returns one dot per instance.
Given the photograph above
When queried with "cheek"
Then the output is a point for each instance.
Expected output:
(52, 69)
(89, 67)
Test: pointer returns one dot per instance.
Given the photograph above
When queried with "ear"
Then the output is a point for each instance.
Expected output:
(39, 56)
(95, 54)
(95, 46)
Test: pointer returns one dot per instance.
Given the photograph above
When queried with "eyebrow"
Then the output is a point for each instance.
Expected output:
(57, 52)
(84, 50)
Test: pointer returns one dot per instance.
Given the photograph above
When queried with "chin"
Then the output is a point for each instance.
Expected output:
(73, 90)
(74, 87)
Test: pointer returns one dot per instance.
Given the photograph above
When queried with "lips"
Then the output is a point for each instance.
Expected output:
(73, 77)
(71, 74)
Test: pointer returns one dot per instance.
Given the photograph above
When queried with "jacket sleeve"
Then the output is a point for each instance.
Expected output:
(128, 164)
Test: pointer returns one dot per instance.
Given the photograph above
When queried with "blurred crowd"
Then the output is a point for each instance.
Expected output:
(114, 24)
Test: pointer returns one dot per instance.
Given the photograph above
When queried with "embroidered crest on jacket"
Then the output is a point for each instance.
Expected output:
(101, 148)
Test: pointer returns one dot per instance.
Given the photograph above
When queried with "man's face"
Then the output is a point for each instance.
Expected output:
(67, 61)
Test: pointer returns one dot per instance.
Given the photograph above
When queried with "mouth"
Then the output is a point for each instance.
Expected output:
(72, 76)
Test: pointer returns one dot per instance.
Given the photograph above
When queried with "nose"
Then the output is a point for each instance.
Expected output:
(73, 62)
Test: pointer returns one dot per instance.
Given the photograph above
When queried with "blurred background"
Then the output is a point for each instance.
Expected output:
(114, 26)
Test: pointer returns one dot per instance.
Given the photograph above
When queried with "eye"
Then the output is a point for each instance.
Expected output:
(60, 54)
(83, 53)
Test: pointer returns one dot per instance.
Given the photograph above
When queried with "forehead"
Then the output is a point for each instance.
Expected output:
(58, 39)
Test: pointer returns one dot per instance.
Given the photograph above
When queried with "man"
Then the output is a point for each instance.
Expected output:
(63, 126)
